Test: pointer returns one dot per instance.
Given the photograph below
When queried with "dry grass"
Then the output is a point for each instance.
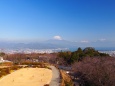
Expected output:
(66, 80)
(4, 66)
(27, 77)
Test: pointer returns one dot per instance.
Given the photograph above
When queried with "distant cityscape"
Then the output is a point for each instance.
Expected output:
(27, 51)
(111, 53)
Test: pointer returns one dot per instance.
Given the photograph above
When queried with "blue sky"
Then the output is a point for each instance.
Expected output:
(74, 20)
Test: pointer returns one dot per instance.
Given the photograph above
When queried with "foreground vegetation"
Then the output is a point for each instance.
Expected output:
(65, 79)
(89, 67)
(68, 58)
(95, 71)
(8, 70)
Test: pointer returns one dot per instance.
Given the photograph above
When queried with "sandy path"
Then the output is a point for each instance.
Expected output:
(55, 77)
(27, 77)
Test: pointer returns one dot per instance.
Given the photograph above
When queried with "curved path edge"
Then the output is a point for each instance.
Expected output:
(55, 81)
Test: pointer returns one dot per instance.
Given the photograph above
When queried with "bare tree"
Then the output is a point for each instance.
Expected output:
(96, 71)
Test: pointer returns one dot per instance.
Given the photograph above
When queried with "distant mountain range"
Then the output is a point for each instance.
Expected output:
(49, 44)
(54, 44)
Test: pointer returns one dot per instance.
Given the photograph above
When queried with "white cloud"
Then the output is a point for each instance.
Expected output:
(84, 41)
(76, 41)
(57, 37)
(102, 40)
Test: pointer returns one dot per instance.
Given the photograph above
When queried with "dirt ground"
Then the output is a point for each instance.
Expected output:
(27, 77)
